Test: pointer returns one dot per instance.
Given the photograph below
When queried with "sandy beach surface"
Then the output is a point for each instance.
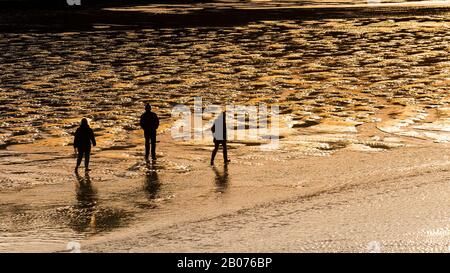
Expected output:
(363, 158)
(371, 211)
(351, 202)
(263, 201)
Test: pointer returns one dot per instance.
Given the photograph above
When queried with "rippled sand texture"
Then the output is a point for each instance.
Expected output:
(329, 75)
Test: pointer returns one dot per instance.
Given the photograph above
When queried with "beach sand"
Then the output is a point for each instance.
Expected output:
(264, 201)
(363, 162)
(352, 202)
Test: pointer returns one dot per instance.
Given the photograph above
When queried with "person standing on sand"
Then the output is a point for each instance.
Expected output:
(84, 136)
(219, 130)
(149, 123)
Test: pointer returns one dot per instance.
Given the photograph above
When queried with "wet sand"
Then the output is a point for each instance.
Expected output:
(364, 142)
(352, 202)
(398, 197)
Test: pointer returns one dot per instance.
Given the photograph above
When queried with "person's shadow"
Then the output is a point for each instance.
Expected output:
(88, 214)
(86, 194)
(86, 206)
(221, 180)
(152, 184)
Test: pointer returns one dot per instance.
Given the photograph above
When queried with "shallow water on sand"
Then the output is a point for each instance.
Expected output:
(366, 84)
(328, 75)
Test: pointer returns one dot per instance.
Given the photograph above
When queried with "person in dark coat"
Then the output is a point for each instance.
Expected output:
(84, 137)
(219, 130)
(149, 123)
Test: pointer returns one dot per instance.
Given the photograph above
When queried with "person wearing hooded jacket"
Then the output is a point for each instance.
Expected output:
(84, 137)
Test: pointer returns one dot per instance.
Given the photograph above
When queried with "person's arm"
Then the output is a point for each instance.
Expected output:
(141, 122)
(93, 138)
(156, 122)
(75, 141)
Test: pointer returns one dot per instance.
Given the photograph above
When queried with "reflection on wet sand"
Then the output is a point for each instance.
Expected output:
(87, 200)
(221, 179)
(88, 216)
(152, 184)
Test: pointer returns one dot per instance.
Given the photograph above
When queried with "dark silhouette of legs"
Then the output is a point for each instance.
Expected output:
(147, 146)
(87, 157)
(79, 159)
(150, 141)
(153, 140)
(216, 148)
(86, 153)
(225, 153)
(214, 152)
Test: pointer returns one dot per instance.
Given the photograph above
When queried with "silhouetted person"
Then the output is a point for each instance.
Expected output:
(219, 130)
(84, 137)
(149, 123)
